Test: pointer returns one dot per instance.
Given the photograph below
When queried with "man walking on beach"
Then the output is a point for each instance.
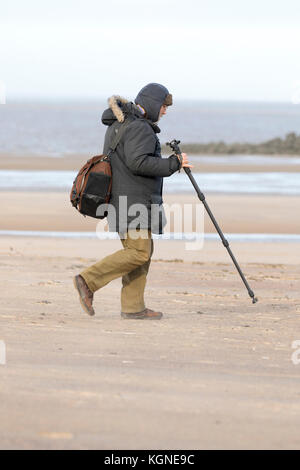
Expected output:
(138, 170)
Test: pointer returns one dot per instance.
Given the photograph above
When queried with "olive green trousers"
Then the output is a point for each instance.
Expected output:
(132, 263)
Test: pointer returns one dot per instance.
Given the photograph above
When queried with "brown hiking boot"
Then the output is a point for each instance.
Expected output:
(146, 314)
(85, 294)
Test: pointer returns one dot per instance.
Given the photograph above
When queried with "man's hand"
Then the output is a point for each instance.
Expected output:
(185, 162)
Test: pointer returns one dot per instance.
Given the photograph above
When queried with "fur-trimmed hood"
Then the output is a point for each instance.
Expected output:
(119, 108)
(151, 98)
(116, 103)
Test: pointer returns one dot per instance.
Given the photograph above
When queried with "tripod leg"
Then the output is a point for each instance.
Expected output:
(174, 145)
(224, 241)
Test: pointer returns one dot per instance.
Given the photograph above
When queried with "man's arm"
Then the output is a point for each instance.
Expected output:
(139, 149)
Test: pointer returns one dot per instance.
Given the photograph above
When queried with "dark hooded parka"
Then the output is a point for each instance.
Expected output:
(138, 168)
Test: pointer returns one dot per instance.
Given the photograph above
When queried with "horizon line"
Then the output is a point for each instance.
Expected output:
(74, 99)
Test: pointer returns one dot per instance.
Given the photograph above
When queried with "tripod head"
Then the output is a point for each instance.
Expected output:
(174, 144)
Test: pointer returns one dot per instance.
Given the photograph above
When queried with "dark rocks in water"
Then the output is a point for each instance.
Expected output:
(290, 145)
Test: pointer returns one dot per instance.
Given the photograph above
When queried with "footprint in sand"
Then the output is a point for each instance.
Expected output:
(45, 283)
(56, 435)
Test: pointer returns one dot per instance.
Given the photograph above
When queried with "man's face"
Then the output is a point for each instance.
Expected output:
(163, 111)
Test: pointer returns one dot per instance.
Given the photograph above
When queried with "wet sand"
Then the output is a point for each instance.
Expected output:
(75, 162)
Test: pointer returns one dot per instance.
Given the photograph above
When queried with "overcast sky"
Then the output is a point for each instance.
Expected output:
(212, 50)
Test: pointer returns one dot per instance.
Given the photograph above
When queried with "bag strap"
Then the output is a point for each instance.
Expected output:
(119, 134)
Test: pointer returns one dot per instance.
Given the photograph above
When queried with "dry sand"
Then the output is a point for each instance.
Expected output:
(234, 213)
(215, 373)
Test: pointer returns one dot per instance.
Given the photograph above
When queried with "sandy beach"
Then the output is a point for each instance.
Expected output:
(52, 211)
(219, 82)
(76, 161)
(215, 373)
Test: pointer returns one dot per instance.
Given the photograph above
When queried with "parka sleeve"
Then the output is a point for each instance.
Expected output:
(139, 152)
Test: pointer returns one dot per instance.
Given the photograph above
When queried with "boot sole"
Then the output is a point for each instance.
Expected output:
(135, 316)
(85, 308)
